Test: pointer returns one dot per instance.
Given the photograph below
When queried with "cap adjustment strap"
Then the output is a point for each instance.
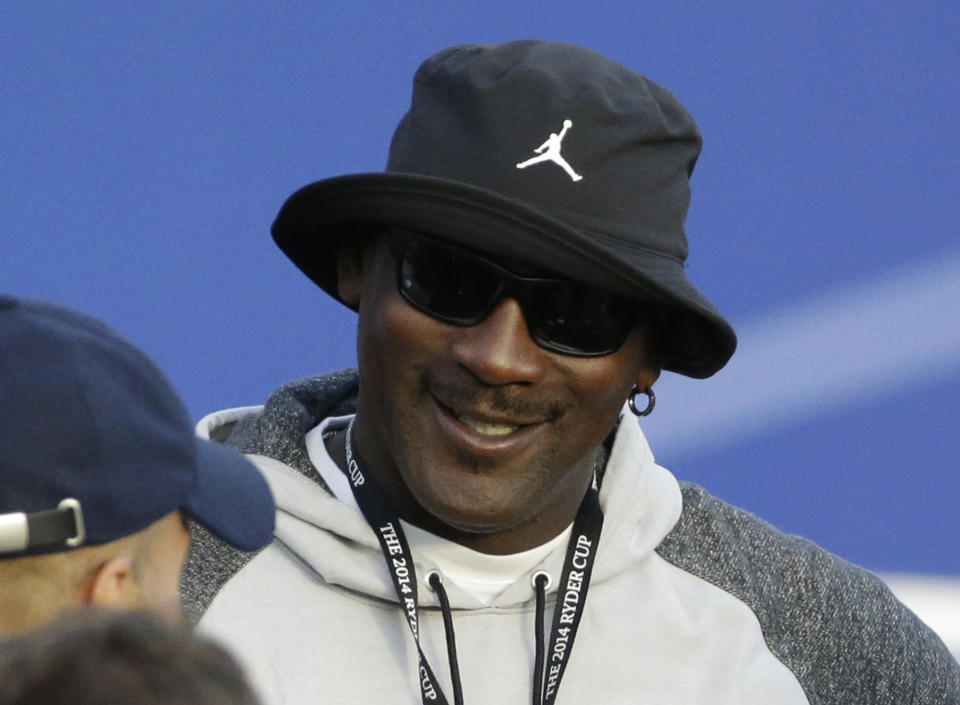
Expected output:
(20, 531)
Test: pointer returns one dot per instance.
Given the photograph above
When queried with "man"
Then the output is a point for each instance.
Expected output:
(101, 471)
(92, 657)
(469, 519)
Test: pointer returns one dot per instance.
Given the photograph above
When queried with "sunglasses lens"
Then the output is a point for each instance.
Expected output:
(574, 319)
(455, 286)
(447, 283)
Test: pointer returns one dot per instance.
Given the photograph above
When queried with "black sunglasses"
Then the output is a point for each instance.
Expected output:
(461, 288)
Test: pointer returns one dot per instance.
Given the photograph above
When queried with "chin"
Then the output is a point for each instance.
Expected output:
(470, 499)
(468, 520)
(472, 525)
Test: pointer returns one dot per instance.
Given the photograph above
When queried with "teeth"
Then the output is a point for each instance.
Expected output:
(488, 429)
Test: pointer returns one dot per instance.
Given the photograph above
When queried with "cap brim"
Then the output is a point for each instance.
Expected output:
(231, 499)
(311, 222)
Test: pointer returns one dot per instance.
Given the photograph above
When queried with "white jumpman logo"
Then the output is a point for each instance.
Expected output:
(549, 151)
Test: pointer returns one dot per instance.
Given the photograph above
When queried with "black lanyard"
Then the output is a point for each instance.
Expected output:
(571, 591)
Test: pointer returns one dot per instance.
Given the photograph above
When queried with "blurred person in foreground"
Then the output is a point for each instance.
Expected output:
(475, 515)
(99, 656)
(100, 471)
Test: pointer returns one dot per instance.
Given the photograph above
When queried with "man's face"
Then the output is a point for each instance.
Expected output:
(490, 433)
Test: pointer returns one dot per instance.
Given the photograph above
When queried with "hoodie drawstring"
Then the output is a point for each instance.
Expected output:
(436, 582)
(541, 581)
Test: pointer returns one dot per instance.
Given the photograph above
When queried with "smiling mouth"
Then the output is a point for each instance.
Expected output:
(487, 429)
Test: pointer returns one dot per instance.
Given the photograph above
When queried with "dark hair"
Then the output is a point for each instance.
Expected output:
(91, 657)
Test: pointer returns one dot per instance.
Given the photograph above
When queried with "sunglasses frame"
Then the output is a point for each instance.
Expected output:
(520, 288)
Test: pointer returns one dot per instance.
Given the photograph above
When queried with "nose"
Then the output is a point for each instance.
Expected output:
(499, 349)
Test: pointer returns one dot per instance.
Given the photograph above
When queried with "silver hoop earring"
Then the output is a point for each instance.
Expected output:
(632, 400)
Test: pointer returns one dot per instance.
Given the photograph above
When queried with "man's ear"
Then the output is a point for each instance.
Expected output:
(350, 260)
(114, 584)
(648, 375)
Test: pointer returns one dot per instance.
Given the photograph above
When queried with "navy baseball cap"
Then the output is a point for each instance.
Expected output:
(96, 445)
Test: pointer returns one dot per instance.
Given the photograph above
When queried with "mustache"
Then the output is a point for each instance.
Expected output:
(510, 400)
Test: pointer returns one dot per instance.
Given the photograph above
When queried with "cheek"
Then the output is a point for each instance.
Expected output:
(394, 339)
(609, 381)
(604, 383)
(603, 401)
(161, 584)
(168, 602)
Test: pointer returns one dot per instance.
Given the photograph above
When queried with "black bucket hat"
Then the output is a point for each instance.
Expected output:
(543, 152)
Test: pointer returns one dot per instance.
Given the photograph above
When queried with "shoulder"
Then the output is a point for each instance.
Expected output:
(835, 625)
(274, 431)
(210, 563)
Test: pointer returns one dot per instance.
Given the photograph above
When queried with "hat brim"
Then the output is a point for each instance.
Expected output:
(231, 498)
(312, 221)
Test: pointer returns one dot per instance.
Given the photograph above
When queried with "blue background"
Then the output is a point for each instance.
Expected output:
(146, 150)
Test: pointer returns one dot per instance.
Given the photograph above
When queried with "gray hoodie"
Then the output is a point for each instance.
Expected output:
(692, 601)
